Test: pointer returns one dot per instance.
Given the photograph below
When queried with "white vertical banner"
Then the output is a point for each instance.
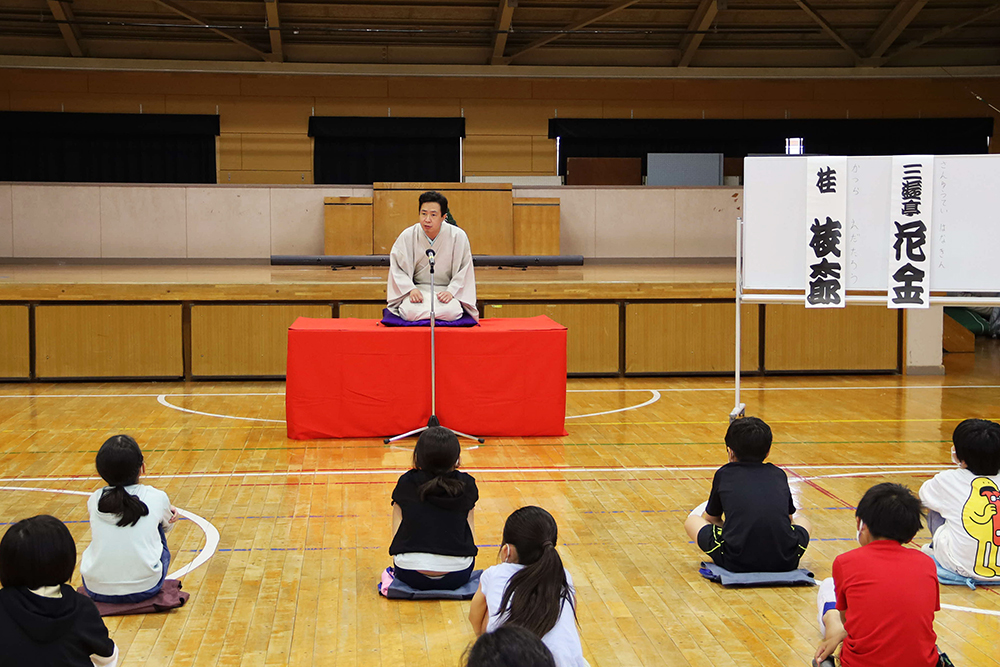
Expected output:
(826, 241)
(910, 231)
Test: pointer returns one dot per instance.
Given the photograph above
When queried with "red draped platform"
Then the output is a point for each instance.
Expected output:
(350, 378)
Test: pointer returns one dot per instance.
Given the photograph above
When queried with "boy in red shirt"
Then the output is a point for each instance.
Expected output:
(886, 594)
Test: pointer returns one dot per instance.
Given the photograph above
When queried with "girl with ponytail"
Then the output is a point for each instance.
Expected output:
(530, 588)
(128, 557)
(433, 546)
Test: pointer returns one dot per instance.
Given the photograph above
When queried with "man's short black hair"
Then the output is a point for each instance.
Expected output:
(977, 445)
(891, 512)
(437, 197)
(37, 552)
(750, 439)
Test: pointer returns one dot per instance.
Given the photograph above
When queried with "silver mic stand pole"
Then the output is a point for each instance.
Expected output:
(433, 421)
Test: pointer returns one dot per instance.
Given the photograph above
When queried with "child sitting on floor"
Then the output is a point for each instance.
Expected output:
(881, 600)
(963, 505)
(530, 588)
(749, 523)
(43, 621)
(433, 546)
(127, 559)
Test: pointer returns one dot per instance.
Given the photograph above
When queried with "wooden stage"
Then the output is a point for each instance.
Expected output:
(304, 526)
(202, 321)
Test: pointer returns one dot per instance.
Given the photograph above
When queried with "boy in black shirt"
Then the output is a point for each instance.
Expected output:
(760, 531)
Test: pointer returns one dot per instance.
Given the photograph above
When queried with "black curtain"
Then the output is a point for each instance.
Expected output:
(739, 138)
(107, 148)
(351, 150)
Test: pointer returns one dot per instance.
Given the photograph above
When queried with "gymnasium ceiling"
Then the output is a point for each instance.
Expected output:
(507, 34)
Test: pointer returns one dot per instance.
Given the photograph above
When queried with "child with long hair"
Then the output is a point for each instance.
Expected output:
(530, 588)
(43, 620)
(433, 546)
(127, 559)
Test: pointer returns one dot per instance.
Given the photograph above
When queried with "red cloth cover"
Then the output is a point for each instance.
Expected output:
(351, 378)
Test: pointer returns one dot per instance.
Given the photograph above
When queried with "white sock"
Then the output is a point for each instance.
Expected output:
(825, 594)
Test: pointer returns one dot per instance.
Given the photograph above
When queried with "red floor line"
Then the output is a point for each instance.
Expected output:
(819, 488)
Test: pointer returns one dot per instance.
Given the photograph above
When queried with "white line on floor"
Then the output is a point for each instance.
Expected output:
(210, 531)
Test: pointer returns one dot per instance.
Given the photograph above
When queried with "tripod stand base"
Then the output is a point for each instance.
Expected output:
(433, 421)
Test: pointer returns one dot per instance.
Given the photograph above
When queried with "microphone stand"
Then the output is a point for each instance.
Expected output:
(433, 421)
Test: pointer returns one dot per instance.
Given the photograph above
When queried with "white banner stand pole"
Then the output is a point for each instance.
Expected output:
(739, 409)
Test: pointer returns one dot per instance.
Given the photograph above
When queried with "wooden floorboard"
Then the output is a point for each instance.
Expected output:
(305, 525)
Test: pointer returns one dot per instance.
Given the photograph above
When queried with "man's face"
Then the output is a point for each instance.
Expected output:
(431, 219)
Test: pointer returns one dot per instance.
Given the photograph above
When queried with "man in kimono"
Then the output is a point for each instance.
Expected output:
(409, 288)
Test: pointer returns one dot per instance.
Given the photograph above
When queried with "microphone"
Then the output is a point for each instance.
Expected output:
(430, 255)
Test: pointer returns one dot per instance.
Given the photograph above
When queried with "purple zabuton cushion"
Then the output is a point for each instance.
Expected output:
(390, 320)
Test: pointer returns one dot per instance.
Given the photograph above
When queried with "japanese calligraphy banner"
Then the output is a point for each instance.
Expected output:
(826, 242)
(910, 231)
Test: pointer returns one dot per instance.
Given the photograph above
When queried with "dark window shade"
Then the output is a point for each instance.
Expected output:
(580, 137)
(107, 148)
(361, 151)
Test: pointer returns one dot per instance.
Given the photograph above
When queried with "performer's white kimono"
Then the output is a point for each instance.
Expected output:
(409, 267)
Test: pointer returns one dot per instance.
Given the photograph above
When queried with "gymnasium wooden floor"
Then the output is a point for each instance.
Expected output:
(304, 526)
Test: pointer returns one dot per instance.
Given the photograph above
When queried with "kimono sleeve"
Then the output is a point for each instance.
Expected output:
(401, 269)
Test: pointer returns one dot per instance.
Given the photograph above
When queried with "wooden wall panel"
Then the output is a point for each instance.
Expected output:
(543, 155)
(363, 311)
(158, 83)
(46, 80)
(277, 116)
(352, 106)
(83, 103)
(688, 337)
(347, 226)
(673, 109)
(536, 226)
(830, 339)
(244, 340)
(466, 88)
(516, 117)
(592, 339)
(483, 210)
(15, 359)
(260, 177)
(603, 89)
(276, 152)
(283, 85)
(108, 341)
(230, 152)
(497, 154)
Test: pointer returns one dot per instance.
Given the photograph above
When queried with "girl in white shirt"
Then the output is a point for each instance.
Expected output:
(962, 507)
(530, 588)
(127, 559)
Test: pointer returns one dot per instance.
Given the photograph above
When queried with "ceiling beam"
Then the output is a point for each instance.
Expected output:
(274, 30)
(700, 22)
(191, 16)
(505, 14)
(894, 24)
(941, 32)
(63, 13)
(583, 23)
(829, 29)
